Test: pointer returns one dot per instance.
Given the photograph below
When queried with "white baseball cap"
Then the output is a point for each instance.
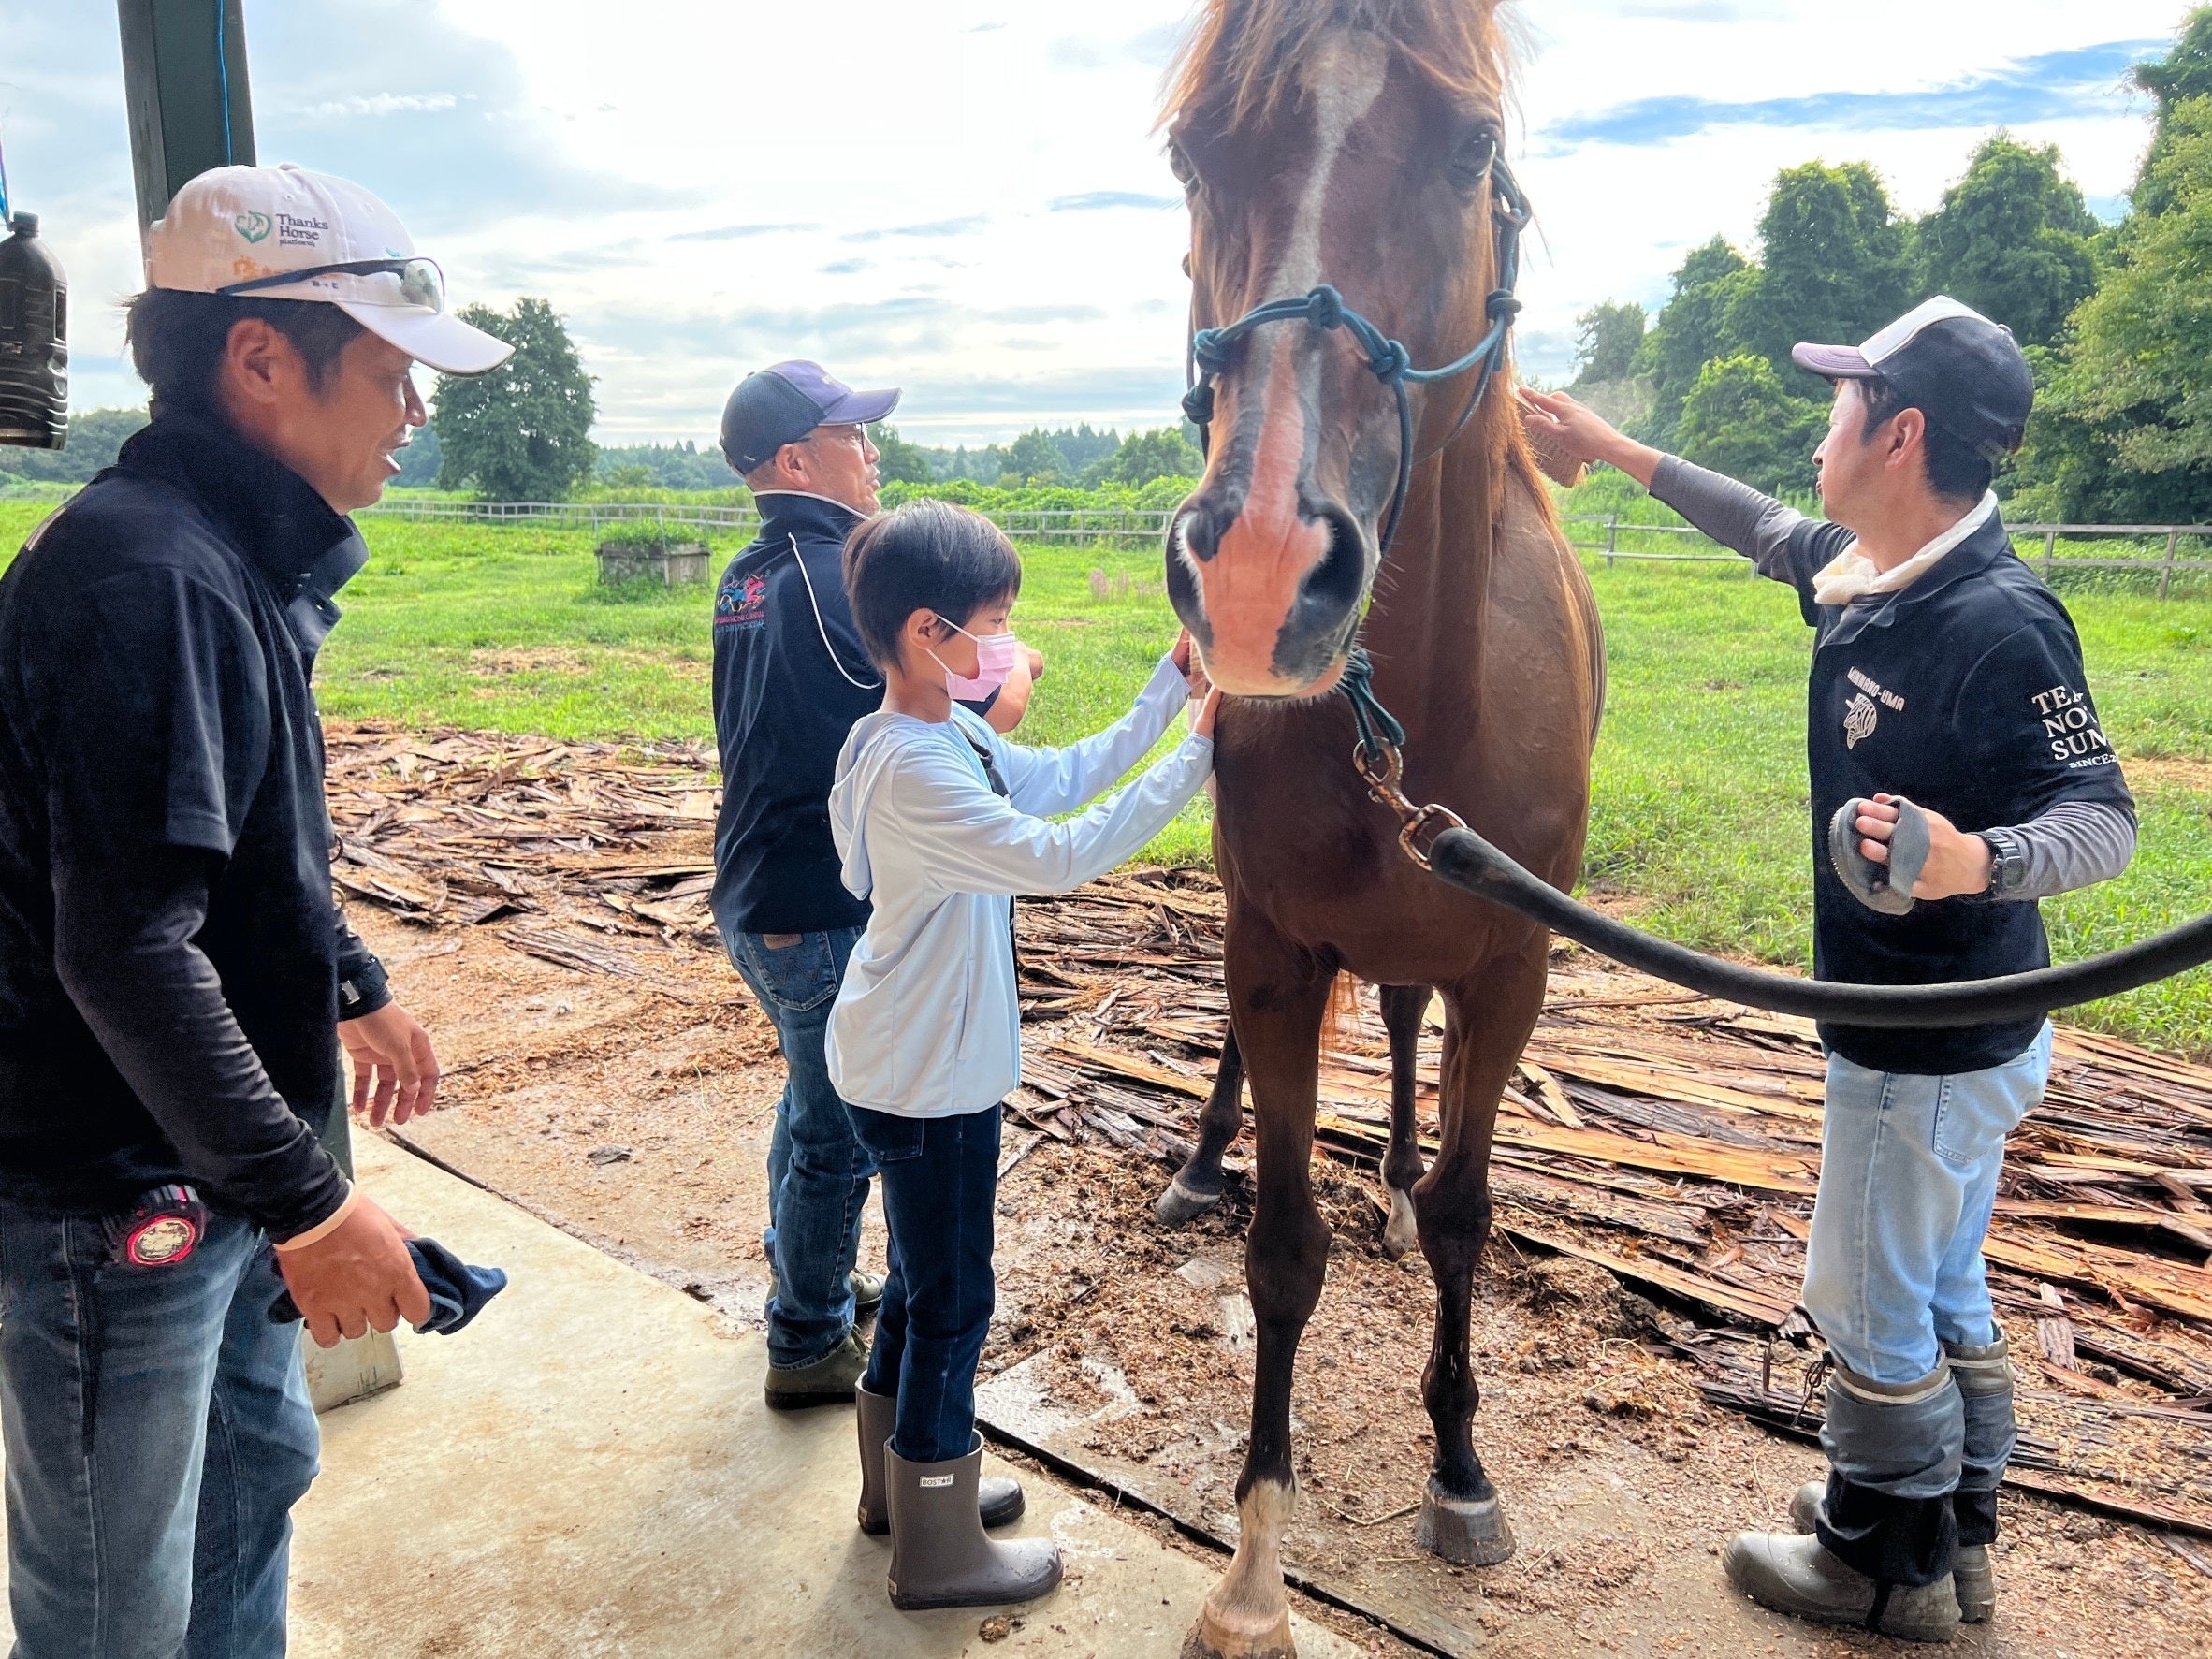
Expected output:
(285, 233)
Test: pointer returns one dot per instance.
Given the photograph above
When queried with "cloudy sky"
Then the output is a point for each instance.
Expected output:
(965, 197)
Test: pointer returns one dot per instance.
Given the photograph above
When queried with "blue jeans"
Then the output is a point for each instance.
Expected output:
(158, 1434)
(940, 1181)
(818, 1173)
(1894, 1278)
(1908, 1178)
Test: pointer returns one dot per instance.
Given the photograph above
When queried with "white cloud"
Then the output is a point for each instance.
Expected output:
(956, 195)
(381, 104)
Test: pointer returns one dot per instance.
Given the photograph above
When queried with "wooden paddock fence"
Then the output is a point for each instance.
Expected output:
(2151, 548)
(1055, 524)
(2038, 543)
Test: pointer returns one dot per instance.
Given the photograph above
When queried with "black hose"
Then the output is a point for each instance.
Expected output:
(1465, 860)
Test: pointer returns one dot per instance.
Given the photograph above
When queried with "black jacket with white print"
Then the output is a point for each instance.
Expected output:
(1963, 692)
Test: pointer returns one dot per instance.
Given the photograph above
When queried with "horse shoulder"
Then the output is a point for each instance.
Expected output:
(1541, 595)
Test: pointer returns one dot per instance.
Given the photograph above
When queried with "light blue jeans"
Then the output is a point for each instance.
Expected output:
(158, 1434)
(1908, 1178)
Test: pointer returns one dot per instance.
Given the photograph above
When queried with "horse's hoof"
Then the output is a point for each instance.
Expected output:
(1401, 1236)
(1471, 1534)
(1231, 1636)
(1181, 1204)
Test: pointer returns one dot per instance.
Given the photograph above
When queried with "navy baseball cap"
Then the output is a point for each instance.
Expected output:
(783, 404)
(1965, 373)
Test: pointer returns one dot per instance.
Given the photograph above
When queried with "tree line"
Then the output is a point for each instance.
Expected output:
(2116, 320)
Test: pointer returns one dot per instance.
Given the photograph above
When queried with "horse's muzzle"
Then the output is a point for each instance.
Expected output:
(1272, 600)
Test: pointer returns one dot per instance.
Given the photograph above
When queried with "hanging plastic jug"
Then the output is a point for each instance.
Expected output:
(34, 341)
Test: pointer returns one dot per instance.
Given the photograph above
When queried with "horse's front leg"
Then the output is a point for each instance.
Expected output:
(1198, 1186)
(1403, 1007)
(1279, 995)
(1492, 1015)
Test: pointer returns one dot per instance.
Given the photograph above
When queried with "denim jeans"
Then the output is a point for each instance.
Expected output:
(818, 1173)
(158, 1434)
(940, 1182)
(1908, 1178)
(1894, 1278)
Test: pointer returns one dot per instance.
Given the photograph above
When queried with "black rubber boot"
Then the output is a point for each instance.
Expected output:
(999, 1500)
(1797, 1574)
(1972, 1574)
(1984, 1379)
(939, 1557)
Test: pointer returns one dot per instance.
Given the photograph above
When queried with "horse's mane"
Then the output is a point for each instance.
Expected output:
(1236, 58)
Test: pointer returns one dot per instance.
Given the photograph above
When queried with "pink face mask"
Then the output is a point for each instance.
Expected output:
(994, 661)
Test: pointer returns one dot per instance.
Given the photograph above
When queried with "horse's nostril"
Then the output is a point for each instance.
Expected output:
(1336, 585)
(1197, 534)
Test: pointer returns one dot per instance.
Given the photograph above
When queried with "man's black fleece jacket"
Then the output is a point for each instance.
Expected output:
(171, 964)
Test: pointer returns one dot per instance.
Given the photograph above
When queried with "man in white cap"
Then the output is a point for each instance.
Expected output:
(1959, 774)
(172, 964)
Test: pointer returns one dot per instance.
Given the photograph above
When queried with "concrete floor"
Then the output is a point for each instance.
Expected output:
(588, 1471)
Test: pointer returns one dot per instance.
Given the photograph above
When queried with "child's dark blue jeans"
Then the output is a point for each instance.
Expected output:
(940, 1182)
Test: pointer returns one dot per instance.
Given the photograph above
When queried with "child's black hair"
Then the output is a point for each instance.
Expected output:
(925, 556)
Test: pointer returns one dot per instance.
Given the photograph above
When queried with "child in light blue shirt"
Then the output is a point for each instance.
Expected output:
(939, 821)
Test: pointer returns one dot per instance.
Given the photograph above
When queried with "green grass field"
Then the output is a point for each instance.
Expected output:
(1699, 816)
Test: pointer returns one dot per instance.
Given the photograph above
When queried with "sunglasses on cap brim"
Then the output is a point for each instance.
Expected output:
(421, 282)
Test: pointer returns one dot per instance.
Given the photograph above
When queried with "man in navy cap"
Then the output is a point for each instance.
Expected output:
(789, 678)
(1959, 775)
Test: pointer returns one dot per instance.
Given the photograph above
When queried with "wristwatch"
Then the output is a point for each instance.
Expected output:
(2008, 864)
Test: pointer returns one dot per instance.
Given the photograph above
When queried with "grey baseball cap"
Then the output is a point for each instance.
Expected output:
(1966, 373)
(781, 404)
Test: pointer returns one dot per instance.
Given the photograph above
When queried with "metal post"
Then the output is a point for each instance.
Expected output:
(184, 83)
(1612, 538)
(2166, 576)
(2050, 545)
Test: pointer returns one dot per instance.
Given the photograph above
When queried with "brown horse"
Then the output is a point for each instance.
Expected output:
(1352, 142)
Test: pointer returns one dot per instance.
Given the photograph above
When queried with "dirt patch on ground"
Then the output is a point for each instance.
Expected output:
(2195, 777)
(638, 1116)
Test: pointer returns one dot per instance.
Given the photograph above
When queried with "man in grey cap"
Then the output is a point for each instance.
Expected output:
(1959, 774)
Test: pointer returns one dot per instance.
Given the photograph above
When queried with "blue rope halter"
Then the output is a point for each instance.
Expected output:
(1324, 310)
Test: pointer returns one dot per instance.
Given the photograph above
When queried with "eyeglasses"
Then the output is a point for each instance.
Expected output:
(421, 282)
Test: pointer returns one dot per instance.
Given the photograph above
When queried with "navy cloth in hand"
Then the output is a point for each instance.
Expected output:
(457, 1291)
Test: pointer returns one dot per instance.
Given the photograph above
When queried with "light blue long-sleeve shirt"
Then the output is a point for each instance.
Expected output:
(928, 1023)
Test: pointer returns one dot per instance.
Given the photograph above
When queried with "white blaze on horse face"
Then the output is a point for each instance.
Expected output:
(1251, 587)
(1342, 80)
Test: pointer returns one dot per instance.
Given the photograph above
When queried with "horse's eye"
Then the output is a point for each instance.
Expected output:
(1472, 160)
(1179, 163)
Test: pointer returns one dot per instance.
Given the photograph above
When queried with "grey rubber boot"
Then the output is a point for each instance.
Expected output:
(999, 1500)
(1798, 1574)
(939, 1557)
(1971, 1571)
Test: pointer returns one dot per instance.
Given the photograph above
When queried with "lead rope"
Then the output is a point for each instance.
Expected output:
(1379, 758)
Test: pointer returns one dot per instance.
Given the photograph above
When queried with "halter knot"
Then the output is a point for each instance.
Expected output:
(1324, 308)
(1390, 361)
(1197, 404)
(1209, 350)
(1503, 302)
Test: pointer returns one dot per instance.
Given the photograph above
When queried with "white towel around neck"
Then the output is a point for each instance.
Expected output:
(1850, 574)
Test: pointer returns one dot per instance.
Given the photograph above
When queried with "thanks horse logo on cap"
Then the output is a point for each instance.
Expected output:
(255, 228)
